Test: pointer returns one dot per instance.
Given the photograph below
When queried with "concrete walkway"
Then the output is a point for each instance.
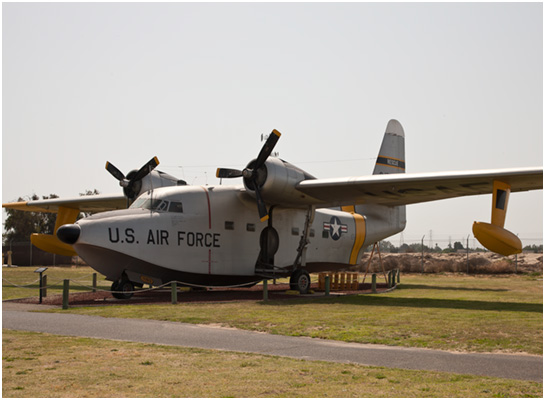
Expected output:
(523, 367)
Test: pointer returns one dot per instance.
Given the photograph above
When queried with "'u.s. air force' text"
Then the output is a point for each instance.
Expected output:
(162, 237)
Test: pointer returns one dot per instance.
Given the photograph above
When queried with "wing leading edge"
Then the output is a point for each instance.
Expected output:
(401, 189)
(83, 203)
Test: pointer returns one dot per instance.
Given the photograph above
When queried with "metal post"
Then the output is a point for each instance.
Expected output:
(174, 290)
(422, 245)
(265, 290)
(327, 284)
(94, 282)
(65, 291)
(467, 253)
(44, 286)
(41, 286)
(516, 261)
(374, 283)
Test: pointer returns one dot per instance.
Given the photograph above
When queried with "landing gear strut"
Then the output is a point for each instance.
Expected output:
(123, 289)
(300, 281)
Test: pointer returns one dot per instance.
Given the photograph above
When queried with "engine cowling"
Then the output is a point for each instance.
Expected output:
(154, 180)
(276, 181)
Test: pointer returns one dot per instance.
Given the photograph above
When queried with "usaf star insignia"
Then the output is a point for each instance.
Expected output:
(335, 228)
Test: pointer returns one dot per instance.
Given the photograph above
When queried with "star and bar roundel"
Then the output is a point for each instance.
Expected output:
(335, 228)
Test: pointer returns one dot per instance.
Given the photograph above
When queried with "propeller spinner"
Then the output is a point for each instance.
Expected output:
(254, 175)
(131, 183)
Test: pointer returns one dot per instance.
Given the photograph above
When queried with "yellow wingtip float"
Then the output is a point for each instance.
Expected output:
(497, 239)
(493, 236)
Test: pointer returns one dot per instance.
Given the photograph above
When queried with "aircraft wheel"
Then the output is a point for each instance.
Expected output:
(125, 289)
(300, 280)
(114, 288)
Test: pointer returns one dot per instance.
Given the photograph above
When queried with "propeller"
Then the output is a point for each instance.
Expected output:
(254, 174)
(132, 183)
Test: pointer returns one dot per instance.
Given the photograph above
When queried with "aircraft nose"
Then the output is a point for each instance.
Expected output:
(69, 233)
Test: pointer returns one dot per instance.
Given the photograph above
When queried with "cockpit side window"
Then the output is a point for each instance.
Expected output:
(176, 206)
(158, 205)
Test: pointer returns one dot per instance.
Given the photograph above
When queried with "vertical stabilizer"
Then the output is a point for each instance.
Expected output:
(384, 221)
(391, 157)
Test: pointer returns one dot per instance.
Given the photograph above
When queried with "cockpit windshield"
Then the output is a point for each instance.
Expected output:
(158, 205)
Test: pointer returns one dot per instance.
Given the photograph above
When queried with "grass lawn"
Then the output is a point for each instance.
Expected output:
(23, 282)
(43, 365)
(448, 312)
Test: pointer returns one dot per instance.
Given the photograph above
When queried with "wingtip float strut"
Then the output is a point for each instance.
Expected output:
(493, 236)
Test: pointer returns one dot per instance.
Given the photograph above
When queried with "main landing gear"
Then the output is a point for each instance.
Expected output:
(300, 281)
(122, 289)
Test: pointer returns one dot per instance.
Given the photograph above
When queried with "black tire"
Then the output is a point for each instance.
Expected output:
(300, 281)
(114, 288)
(124, 289)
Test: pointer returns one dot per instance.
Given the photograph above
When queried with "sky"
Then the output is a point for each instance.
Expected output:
(196, 84)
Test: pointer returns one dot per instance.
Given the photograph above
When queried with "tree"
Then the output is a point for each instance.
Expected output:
(387, 247)
(458, 246)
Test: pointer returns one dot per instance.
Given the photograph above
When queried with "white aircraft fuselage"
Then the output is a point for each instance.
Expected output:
(210, 236)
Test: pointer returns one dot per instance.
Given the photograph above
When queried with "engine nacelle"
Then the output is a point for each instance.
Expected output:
(277, 180)
(154, 180)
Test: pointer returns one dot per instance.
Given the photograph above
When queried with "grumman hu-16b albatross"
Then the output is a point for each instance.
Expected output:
(216, 236)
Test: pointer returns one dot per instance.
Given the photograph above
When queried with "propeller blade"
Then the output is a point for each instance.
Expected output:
(267, 149)
(261, 207)
(228, 173)
(117, 174)
(146, 169)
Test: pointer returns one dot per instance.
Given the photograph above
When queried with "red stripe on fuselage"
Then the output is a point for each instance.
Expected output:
(209, 211)
(209, 227)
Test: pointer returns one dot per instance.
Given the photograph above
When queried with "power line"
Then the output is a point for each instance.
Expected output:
(295, 162)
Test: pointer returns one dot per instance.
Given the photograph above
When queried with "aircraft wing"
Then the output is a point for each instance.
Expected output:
(400, 189)
(94, 203)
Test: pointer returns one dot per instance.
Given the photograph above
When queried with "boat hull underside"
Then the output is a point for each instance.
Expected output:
(114, 265)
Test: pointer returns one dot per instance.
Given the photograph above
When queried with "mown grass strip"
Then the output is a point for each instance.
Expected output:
(43, 365)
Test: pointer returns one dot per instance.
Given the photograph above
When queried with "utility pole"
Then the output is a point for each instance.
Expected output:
(422, 245)
(467, 253)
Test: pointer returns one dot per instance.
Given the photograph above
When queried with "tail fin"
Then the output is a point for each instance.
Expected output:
(391, 157)
(384, 221)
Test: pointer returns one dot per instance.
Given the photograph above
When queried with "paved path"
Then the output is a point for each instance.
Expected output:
(521, 367)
